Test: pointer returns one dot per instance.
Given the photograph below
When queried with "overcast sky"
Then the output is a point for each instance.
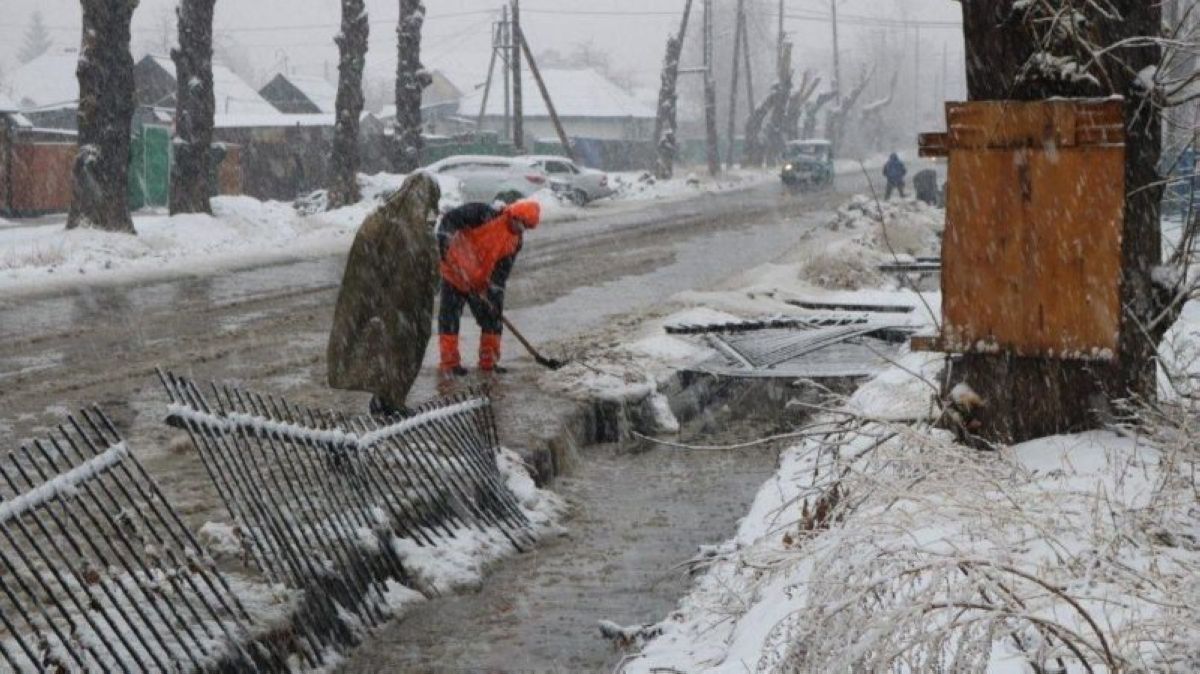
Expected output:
(457, 32)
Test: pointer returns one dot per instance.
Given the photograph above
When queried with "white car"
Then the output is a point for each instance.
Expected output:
(580, 185)
(485, 178)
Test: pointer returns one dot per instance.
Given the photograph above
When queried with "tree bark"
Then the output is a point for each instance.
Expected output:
(195, 106)
(665, 140)
(106, 105)
(411, 80)
(776, 127)
(797, 103)
(352, 50)
(836, 122)
(754, 152)
(1032, 397)
(812, 113)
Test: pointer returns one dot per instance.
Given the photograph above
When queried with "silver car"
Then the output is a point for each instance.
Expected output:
(487, 178)
(580, 185)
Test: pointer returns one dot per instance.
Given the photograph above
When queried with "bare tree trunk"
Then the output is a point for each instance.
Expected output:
(352, 51)
(106, 105)
(665, 138)
(754, 153)
(194, 108)
(411, 80)
(838, 117)
(796, 104)
(813, 111)
(776, 127)
(1033, 397)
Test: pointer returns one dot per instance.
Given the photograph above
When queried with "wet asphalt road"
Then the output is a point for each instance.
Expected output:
(100, 344)
(265, 327)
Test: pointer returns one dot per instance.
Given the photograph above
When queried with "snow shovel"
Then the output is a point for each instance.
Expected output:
(549, 363)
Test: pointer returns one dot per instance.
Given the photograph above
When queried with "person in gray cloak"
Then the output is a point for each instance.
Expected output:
(384, 316)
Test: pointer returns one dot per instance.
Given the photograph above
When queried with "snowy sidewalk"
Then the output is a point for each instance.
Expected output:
(44, 256)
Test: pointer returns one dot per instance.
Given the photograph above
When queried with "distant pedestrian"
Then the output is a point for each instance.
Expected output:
(894, 170)
(479, 246)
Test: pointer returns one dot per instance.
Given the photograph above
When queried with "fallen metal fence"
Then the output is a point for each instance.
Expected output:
(320, 497)
(99, 574)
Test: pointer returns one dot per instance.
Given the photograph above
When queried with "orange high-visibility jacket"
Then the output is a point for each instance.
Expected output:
(472, 254)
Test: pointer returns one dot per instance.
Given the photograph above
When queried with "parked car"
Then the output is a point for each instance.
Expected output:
(807, 164)
(579, 184)
(486, 178)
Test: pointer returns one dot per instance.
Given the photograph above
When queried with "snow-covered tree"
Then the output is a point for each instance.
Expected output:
(411, 80)
(195, 106)
(667, 119)
(37, 39)
(1039, 49)
(106, 105)
(352, 48)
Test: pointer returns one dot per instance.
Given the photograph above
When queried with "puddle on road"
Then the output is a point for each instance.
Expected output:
(638, 513)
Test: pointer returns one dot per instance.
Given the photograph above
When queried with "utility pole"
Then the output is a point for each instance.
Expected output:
(733, 87)
(916, 76)
(779, 42)
(518, 135)
(487, 87)
(554, 119)
(746, 61)
(505, 37)
(710, 95)
(837, 59)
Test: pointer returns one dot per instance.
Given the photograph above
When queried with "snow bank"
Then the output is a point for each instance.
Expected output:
(865, 233)
(459, 563)
(889, 547)
(243, 231)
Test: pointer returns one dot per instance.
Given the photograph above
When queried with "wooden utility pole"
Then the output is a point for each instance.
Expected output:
(487, 86)
(916, 87)
(733, 86)
(749, 68)
(195, 106)
(537, 76)
(779, 40)
(518, 136)
(837, 58)
(506, 56)
(710, 95)
(1033, 397)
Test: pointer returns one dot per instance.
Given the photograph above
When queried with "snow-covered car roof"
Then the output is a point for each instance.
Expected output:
(815, 142)
(471, 158)
(543, 157)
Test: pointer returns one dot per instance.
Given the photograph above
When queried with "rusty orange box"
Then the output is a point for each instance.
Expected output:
(1035, 201)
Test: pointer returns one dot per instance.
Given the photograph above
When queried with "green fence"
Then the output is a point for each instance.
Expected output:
(150, 167)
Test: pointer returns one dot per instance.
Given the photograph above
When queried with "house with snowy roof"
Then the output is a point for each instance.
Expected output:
(46, 89)
(439, 102)
(300, 95)
(155, 85)
(588, 104)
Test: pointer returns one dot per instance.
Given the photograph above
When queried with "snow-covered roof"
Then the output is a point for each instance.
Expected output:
(316, 89)
(234, 96)
(7, 104)
(47, 82)
(575, 93)
(273, 119)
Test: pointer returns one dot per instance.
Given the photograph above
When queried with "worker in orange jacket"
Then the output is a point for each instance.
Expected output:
(479, 247)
